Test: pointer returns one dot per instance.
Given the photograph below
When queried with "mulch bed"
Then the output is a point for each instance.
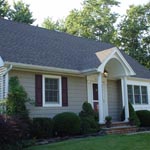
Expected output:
(60, 139)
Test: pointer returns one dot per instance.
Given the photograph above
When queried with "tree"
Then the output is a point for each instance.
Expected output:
(49, 24)
(133, 34)
(17, 97)
(52, 25)
(21, 13)
(4, 8)
(95, 20)
(72, 22)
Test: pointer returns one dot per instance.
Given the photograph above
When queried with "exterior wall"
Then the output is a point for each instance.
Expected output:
(27, 80)
(77, 94)
(114, 99)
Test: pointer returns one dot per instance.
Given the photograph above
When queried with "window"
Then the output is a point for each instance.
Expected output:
(137, 94)
(51, 91)
(3, 85)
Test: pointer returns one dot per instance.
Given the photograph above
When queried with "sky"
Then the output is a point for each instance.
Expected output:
(59, 9)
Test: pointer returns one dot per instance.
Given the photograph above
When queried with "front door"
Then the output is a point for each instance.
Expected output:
(104, 95)
(95, 97)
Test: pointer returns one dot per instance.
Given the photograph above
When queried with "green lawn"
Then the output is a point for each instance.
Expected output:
(110, 142)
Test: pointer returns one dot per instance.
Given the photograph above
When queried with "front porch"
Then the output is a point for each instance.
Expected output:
(107, 89)
(112, 97)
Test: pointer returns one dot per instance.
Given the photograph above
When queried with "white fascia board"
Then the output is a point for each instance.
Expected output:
(41, 68)
(52, 69)
(138, 79)
(89, 71)
(125, 62)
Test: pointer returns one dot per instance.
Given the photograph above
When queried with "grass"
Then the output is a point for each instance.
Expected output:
(110, 142)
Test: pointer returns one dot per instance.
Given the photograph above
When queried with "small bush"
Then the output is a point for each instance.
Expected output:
(144, 117)
(132, 115)
(42, 127)
(88, 118)
(13, 131)
(67, 123)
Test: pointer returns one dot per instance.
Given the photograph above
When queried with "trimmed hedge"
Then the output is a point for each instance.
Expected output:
(66, 123)
(144, 117)
(89, 123)
(42, 127)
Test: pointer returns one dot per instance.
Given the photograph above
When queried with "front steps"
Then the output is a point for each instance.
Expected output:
(118, 128)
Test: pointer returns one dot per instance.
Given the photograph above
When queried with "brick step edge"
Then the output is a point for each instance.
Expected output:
(121, 130)
(116, 124)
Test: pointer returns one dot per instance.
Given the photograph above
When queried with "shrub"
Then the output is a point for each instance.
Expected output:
(108, 118)
(67, 123)
(144, 117)
(132, 115)
(87, 110)
(42, 127)
(17, 97)
(88, 119)
(108, 121)
(12, 131)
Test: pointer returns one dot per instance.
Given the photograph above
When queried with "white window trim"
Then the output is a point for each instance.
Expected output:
(3, 83)
(140, 83)
(60, 91)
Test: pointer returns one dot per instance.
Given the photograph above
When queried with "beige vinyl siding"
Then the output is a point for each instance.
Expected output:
(77, 94)
(114, 99)
(27, 80)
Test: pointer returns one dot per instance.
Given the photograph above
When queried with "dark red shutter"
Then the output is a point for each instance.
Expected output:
(64, 91)
(38, 90)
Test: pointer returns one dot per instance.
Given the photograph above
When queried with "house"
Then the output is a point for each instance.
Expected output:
(60, 71)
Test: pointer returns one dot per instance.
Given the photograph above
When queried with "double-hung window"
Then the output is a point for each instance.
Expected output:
(137, 94)
(52, 91)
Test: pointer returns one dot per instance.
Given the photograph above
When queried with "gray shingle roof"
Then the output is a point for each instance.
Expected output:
(27, 44)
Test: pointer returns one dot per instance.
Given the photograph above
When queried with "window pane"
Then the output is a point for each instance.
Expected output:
(130, 98)
(144, 99)
(144, 95)
(144, 90)
(130, 94)
(136, 90)
(51, 90)
(137, 99)
(137, 96)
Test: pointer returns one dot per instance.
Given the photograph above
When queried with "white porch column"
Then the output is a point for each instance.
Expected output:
(125, 97)
(100, 99)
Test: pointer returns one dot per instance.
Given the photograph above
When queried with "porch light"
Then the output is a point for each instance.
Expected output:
(105, 73)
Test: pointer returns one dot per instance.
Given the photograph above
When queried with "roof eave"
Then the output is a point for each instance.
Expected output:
(89, 71)
(38, 68)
